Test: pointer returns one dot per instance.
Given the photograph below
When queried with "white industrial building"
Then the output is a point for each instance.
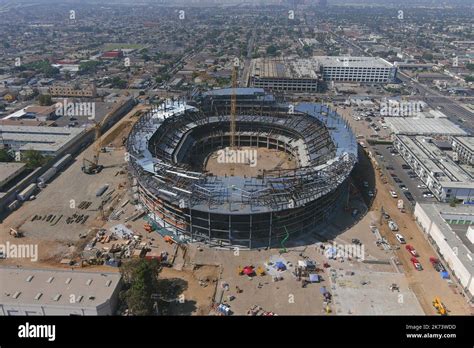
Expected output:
(463, 147)
(47, 140)
(444, 178)
(299, 75)
(424, 125)
(356, 69)
(57, 292)
(449, 229)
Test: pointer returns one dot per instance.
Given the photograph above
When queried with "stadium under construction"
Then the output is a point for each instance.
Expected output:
(170, 145)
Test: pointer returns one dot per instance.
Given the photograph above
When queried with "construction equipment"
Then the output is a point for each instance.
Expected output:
(92, 166)
(149, 228)
(15, 233)
(169, 240)
(440, 308)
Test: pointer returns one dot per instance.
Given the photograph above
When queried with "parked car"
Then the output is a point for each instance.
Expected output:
(405, 166)
(422, 186)
(400, 238)
(392, 225)
(428, 195)
(416, 264)
(393, 194)
(438, 266)
(397, 180)
(403, 187)
(411, 250)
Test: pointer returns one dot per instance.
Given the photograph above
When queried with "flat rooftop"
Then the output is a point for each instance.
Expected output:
(468, 142)
(282, 68)
(424, 126)
(54, 287)
(437, 161)
(359, 62)
(441, 213)
(39, 138)
(9, 169)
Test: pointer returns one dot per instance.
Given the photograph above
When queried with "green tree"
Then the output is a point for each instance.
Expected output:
(427, 56)
(469, 78)
(117, 82)
(5, 156)
(33, 159)
(89, 67)
(272, 50)
(45, 100)
(141, 281)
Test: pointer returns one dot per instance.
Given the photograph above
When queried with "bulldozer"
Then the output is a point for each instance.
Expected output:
(439, 306)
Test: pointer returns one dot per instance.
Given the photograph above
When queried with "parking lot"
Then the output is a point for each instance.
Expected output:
(396, 162)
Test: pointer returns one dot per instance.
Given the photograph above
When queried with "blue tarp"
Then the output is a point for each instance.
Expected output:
(314, 278)
(280, 266)
(323, 290)
(445, 275)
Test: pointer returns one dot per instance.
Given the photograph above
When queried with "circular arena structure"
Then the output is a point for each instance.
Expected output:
(285, 176)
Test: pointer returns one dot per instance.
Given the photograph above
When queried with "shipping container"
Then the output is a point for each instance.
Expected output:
(62, 162)
(14, 205)
(101, 191)
(27, 192)
(43, 179)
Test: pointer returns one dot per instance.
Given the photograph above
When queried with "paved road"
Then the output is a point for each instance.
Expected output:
(245, 73)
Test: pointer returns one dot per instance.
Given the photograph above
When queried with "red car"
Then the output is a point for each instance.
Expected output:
(416, 264)
(438, 266)
(411, 250)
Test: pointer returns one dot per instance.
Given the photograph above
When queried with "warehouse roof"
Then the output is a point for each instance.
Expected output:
(360, 62)
(49, 139)
(468, 142)
(7, 170)
(423, 126)
(438, 214)
(55, 287)
(446, 171)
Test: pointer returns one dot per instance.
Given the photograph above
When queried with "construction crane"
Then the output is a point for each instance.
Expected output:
(233, 106)
(91, 166)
